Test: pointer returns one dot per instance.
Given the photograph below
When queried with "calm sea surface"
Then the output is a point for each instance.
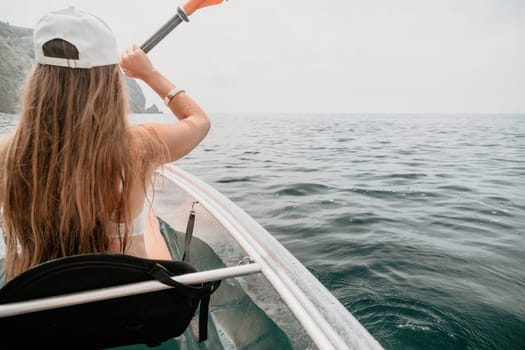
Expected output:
(415, 222)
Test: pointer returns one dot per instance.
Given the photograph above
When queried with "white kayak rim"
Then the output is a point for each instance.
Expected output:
(243, 228)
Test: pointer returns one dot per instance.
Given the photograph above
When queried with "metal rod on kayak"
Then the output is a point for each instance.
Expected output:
(25, 307)
(165, 30)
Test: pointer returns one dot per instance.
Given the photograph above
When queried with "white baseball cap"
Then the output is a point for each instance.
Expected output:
(91, 36)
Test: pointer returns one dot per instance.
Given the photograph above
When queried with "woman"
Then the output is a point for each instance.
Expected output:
(74, 175)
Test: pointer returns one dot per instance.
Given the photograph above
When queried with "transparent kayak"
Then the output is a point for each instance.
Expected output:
(282, 306)
(267, 299)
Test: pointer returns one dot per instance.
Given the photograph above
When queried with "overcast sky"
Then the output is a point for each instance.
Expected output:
(337, 56)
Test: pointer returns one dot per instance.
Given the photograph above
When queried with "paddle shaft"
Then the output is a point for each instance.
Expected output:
(179, 17)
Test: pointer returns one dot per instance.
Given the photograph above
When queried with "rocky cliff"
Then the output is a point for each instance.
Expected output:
(16, 59)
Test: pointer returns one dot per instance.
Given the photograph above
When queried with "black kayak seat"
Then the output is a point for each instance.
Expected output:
(148, 318)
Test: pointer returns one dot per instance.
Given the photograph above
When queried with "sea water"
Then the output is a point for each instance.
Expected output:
(416, 223)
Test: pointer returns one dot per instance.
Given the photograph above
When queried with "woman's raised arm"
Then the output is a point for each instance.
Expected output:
(193, 125)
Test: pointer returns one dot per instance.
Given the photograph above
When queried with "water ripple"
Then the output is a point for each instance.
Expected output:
(301, 189)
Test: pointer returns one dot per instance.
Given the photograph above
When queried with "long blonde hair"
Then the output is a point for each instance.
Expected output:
(67, 172)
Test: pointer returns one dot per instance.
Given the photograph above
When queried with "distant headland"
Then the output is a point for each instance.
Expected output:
(16, 59)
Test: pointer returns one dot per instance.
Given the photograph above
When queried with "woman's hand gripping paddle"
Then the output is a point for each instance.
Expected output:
(182, 15)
